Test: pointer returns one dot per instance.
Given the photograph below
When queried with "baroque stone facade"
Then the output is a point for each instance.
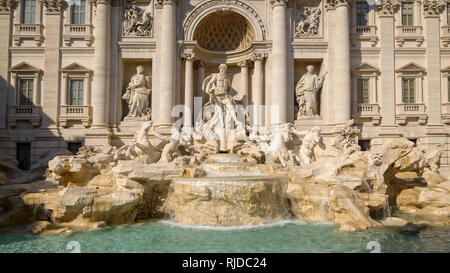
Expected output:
(68, 73)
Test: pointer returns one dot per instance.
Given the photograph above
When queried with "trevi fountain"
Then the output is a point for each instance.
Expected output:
(207, 187)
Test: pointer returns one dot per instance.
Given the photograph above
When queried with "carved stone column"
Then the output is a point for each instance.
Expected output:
(188, 91)
(342, 87)
(6, 9)
(258, 90)
(50, 97)
(432, 10)
(387, 78)
(279, 90)
(167, 62)
(100, 98)
(244, 65)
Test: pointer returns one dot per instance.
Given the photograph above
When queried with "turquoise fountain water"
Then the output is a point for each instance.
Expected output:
(162, 236)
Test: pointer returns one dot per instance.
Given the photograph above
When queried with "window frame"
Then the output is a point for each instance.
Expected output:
(29, 90)
(365, 15)
(361, 99)
(76, 13)
(407, 19)
(80, 91)
(408, 94)
(32, 12)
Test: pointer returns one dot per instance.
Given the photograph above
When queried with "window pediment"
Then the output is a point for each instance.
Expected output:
(365, 68)
(411, 68)
(75, 68)
(24, 68)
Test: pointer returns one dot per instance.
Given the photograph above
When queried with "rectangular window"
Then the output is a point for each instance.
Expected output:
(363, 90)
(364, 144)
(79, 12)
(29, 12)
(26, 92)
(407, 13)
(409, 90)
(362, 10)
(23, 155)
(76, 92)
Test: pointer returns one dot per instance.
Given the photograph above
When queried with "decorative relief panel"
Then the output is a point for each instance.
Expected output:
(309, 19)
(138, 21)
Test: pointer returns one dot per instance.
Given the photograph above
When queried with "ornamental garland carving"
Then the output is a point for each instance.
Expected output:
(53, 6)
(432, 8)
(6, 6)
(136, 21)
(308, 20)
(388, 7)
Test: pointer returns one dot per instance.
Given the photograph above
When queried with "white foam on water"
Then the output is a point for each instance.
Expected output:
(232, 228)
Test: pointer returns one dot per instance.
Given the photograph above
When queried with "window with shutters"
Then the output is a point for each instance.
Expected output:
(409, 90)
(29, 12)
(363, 90)
(407, 13)
(25, 92)
(362, 11)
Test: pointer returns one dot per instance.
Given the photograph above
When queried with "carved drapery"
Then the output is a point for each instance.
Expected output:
(433, 8)
(388, 7)
(224, 31)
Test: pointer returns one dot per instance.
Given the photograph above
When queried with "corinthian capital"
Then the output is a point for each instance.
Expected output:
(275, 3)
(331, 4)
(160, 3)
(53, 6)
(432, 8)
(259, 56)
(6, 6)
(101, 2)
(188, 56)
(388, 7)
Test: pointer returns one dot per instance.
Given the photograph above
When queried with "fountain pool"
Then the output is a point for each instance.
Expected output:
(284, 236)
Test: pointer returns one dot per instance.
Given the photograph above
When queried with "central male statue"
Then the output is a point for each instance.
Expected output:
(224, 120)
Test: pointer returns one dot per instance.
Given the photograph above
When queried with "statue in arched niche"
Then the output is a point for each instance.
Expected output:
(307, 91)
(137, 96)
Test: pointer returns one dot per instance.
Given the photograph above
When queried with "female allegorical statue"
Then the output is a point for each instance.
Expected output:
(137, 95)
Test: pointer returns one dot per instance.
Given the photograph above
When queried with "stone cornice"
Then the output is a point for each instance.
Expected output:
(388, 7)
(275, 3)
(433, 8)
(6, 6)
(160, 3)
(53, 6)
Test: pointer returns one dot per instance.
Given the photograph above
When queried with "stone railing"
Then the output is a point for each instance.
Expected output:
(367, 110)
(78, 32)
(365, 30)
(81, 113)
(411, 33)
(28, 31)
(445, 36)
(364, 33)
(411, 110)
(29, 113)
